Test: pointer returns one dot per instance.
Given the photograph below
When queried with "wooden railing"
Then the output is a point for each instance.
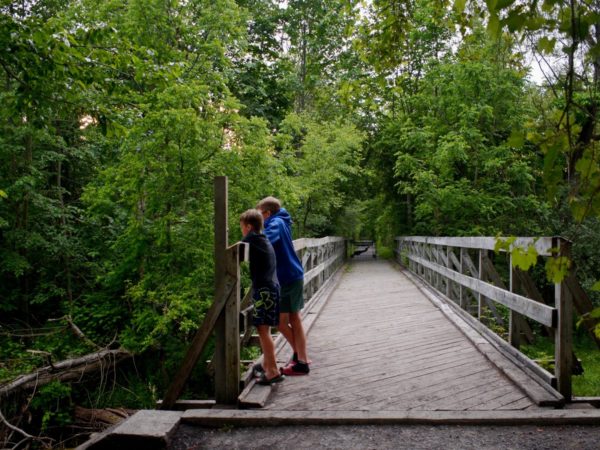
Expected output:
(320, 259)
(463, 270)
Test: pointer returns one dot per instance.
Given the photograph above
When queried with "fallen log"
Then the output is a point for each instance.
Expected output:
(104, 417)
(67, 370)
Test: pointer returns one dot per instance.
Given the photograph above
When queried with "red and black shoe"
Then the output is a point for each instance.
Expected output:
(295, 369)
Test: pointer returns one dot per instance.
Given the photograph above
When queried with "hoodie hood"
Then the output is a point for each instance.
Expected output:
(278, 229)
(283, 215)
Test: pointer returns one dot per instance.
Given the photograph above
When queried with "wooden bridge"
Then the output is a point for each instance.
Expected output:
(385, 339)
(409, 340)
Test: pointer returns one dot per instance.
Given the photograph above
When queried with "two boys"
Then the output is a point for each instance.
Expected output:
(273, 261)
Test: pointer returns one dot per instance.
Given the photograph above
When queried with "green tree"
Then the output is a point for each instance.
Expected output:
(318, 45)
(322, 160)
(263, 77)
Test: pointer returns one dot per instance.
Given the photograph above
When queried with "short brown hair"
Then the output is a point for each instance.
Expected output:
(254, 218)
(270, 204)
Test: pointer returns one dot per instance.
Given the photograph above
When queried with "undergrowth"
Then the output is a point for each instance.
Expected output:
(584, 385)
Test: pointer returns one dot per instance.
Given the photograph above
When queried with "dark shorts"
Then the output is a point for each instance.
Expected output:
(292, 296)
(266, 306)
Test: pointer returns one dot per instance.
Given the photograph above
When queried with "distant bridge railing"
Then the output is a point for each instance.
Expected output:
(477, 280)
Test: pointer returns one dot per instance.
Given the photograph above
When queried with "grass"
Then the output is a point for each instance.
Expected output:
(585, 385)
(384, 252)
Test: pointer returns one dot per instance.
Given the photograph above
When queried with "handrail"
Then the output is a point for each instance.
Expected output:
(462, 271)
(542, 244)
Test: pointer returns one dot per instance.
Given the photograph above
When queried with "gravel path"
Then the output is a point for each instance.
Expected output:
(444, 437)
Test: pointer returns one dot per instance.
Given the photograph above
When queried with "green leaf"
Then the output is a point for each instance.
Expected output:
(546, 45)
(548, 5)
(534, 23)
(459, 6)
(524, 259)
(596, 286)
(494, 25)
(503, 244)
(501, 4)
(491, 4)
(516, 139)
(3, 194)
(557, 268)
(515, 21)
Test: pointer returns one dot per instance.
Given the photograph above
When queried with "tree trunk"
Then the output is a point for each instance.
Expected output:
(67, 370)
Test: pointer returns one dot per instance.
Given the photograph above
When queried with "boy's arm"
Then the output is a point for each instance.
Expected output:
(273, 231)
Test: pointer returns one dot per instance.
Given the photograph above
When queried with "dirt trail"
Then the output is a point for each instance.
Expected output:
(444, 437)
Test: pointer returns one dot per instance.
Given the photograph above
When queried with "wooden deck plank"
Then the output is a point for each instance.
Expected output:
(338, 351)
(380, 344)
(522, 404)
(472, 397)
(410, 393)
(427, 385)
(349, 389)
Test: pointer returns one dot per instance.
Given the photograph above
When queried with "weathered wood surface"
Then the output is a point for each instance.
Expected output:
(380, 345)
(531, 378)
(530, 308)
(542, 244)
(501, 416)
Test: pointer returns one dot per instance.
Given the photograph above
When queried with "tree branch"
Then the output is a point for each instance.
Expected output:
(46, 442)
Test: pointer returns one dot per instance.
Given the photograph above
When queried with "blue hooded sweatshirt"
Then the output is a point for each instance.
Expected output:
(278, 229)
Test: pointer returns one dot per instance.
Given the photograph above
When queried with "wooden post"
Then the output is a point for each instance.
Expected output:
(563, 346)
(448, 264)
(227, 334)
(439, 280)
(430, 273)
(222, 316)
(435, 260)
(462, 291)
(480, 276)
(514, 334)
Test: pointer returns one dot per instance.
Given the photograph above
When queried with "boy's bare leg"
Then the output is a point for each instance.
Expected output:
(268, 348)
(295, 321)
(284, 328)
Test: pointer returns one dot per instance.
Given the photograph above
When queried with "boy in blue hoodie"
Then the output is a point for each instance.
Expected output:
(278, 229)
(265, 291)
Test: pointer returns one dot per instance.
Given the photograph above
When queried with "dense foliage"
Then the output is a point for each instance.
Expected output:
(367, 119)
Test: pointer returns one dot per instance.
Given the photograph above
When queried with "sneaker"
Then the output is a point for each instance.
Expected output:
(264, 381)
(299, 368)
(294, 360)
(257, 370)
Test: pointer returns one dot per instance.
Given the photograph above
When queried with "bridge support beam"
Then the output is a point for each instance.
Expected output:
(563, 346)
(227, 284)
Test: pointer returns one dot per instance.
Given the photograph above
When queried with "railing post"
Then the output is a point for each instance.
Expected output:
(479, 296)
(514, 332)
(448, 264)
(462, 291)
(227, 284)
(563, 346)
